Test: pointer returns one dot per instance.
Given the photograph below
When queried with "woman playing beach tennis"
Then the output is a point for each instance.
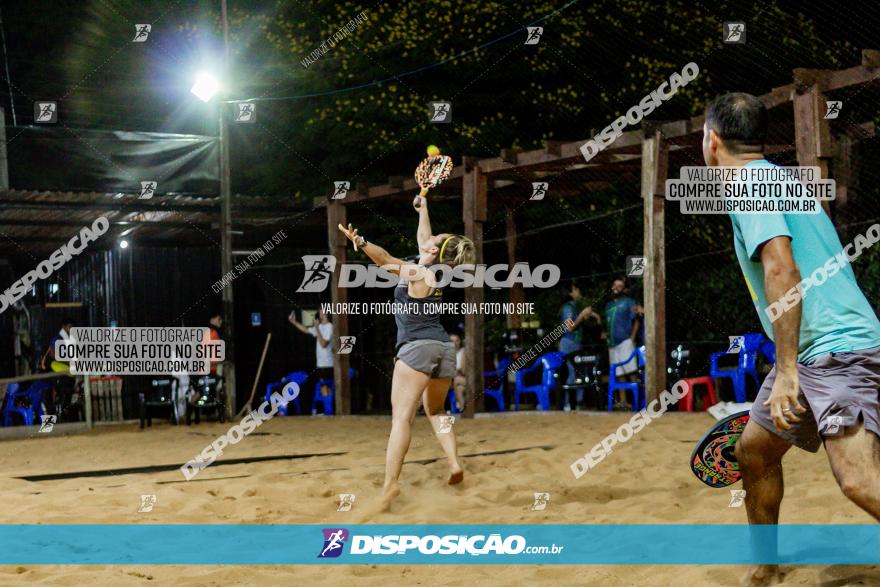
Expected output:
(425, 358)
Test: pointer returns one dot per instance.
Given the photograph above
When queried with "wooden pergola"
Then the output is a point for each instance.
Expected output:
(652, 148)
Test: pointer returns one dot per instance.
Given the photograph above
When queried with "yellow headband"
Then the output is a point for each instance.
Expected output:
(449, 238)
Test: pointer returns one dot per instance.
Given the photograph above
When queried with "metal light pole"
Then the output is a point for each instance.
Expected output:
(226, 229)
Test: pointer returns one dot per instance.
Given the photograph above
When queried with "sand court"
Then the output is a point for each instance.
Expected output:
(293, 470)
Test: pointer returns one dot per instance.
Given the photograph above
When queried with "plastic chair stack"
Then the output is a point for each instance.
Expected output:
(751, 345)
(26, 403)
(550, 363)
(637, 388)
(497, 392)
(298, 377)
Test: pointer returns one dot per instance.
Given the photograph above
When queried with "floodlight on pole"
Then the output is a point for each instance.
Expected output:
(205, 87)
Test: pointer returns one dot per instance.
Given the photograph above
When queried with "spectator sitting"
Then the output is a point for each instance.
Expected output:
(323, 333)
(622, 318)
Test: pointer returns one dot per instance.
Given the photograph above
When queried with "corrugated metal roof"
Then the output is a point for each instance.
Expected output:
(40, 220)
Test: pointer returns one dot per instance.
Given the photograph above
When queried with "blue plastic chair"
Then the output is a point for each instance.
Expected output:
(637, 388)
(298, 377)
(751, 345)
(37, 389)
(450, 397)
(329, 398)
(497, 392)
(31, 397)
(768, 349)
(550, 363)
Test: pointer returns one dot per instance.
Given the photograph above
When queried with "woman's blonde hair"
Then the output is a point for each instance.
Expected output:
(457, 250)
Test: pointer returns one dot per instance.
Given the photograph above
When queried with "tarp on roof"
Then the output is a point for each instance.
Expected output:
(78, 160)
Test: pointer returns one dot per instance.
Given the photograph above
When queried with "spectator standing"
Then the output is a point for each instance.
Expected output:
(323, 333)
(622, 318)
(572, 340)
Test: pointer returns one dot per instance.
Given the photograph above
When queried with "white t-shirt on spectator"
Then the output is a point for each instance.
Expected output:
(324, 354)
(459, 360)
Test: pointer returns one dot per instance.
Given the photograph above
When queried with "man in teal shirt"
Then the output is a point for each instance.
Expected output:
(825, 384)
(572, 340)
(622, 318)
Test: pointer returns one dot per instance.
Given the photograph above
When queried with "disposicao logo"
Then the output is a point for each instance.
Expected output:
(334, 540)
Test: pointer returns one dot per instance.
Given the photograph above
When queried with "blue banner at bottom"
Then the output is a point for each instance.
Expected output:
(557, 544)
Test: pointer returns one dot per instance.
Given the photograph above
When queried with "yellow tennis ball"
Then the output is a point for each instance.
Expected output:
(433, 151)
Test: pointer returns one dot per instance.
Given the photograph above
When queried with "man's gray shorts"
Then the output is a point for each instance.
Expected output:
(838, 390)
(431, 357)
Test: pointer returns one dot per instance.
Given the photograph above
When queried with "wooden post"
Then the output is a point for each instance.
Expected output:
(812, 133)
(474, 190)
(226, 262)
(846, 179)
(337, 241)
(87, 391)
(517, 293)
(654, 173)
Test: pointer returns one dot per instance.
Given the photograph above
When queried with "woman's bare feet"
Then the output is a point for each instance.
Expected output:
(759, 575)
(389, 494)
(456, 475)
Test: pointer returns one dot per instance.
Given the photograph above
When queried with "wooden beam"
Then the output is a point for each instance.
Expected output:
(14, 200)
(812, 133)
(145, 223)
(339, 295)
(556, 154)
(509, 156)
(654, 173)
(474, 212)
(553, 147)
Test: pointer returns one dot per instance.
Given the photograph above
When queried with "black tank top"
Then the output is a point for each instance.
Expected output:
(424, 325)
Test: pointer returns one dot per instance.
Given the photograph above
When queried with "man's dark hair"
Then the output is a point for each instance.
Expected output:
(740, 120)
(67, 320)
(566, 287)
(622, 278)
(215, 315)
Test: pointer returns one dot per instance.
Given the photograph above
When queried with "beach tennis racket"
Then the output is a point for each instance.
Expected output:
(713, 461)
(431, 172)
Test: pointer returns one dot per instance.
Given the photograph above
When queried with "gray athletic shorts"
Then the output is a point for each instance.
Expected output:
(432, 357)
(838, 390)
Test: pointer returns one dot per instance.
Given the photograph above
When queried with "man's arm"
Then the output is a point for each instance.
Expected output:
(781, 274)
(636, 323)
(297, 325)
(634, 331)
(584, 315)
